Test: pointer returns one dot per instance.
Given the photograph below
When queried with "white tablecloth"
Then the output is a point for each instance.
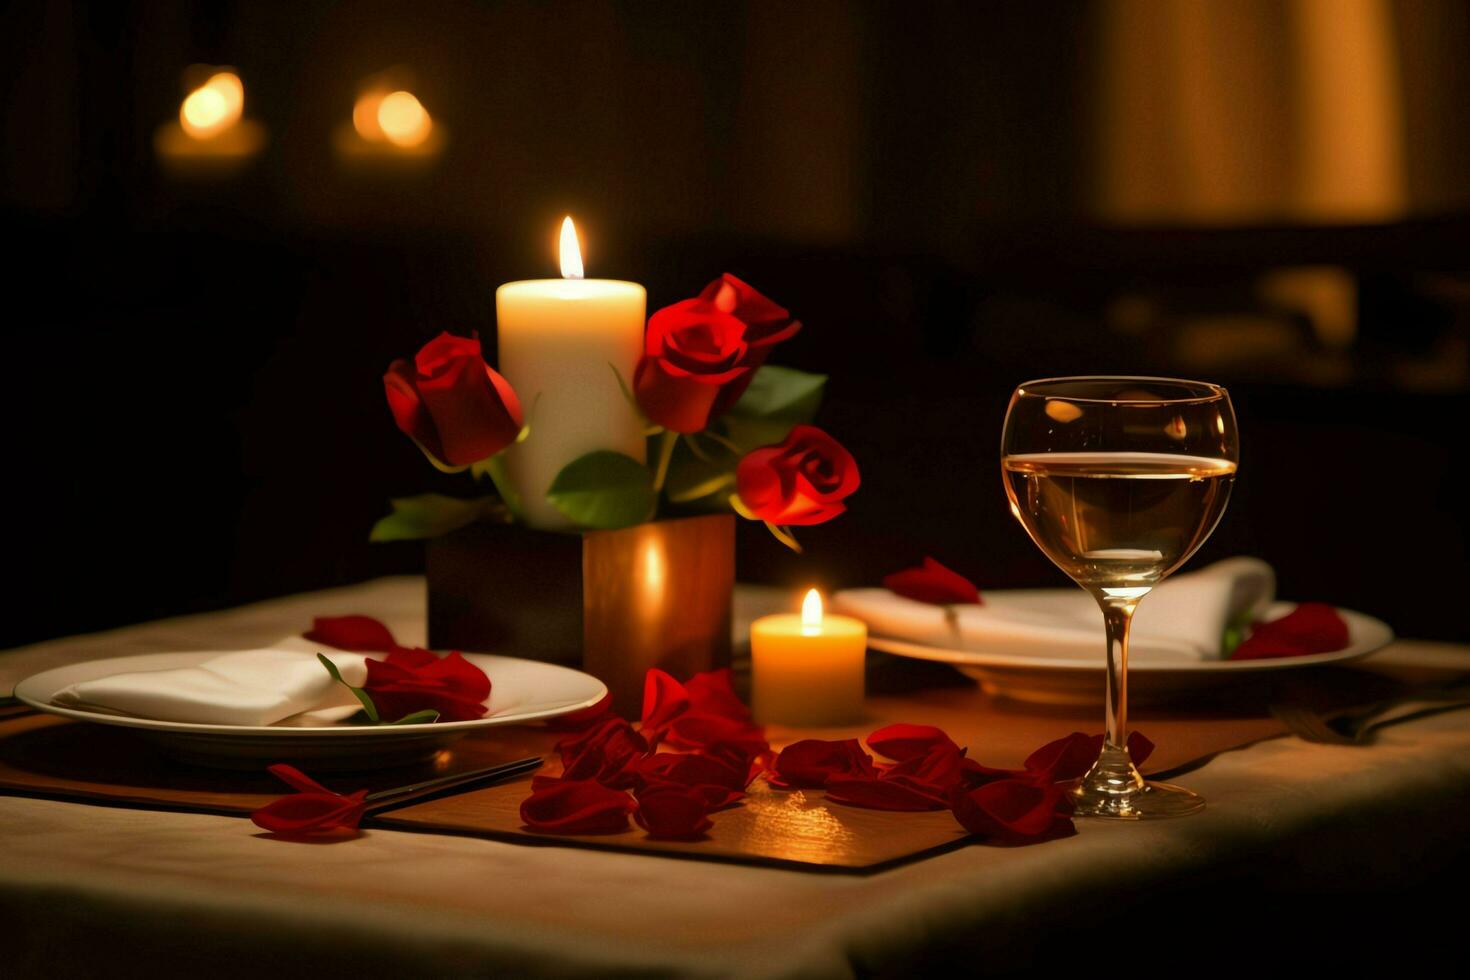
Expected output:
(93, 890)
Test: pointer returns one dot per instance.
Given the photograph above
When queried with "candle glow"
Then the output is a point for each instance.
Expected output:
(571, 251)
(811, 613)
(213, 107)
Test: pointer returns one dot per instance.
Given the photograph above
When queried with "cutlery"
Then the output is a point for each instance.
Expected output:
(384, 798)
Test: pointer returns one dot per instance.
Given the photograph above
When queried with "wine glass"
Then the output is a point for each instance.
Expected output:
(1119, 480)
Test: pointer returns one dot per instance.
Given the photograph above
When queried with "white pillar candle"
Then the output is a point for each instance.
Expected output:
(559, 341)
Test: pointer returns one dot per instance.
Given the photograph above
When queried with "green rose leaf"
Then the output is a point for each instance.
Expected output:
(431, 514)
(778, 399)
(368, 708)
(604, 490)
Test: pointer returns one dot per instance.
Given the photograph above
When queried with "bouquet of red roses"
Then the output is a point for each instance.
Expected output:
(727, 429)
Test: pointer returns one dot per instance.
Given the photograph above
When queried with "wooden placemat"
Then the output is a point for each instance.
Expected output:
(49, 756)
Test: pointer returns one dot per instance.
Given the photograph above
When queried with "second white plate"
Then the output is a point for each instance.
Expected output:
(1079, 680)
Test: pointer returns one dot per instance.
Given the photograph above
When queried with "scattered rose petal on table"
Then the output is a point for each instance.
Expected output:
(885, 793)
(664, 699)
(575, 806)
(311, 810)
(719, 784)
(933, 583)
(361, 634)
(809, 763)
(608, 753)
(1015, 811)
(672, 811)
(1313, 627)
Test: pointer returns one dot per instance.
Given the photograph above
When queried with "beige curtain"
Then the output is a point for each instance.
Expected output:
(1251, 111)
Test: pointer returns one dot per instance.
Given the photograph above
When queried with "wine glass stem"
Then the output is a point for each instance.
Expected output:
(1118, 618)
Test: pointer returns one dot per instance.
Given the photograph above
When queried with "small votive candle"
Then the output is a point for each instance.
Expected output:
(807, 669)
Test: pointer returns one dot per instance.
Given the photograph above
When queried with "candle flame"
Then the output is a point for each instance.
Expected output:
(571, 252)
(811, 612)
(403, 119)
(214, 106)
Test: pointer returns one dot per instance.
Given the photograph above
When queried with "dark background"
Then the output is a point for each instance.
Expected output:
(954, 197)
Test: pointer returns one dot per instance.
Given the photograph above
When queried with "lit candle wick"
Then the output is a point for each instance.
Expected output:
(811, 613)
(571, 252)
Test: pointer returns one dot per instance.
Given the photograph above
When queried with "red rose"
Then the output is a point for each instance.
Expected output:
(690, 353)
(415, 680)
(766, 325)
(451, 403)
(802, 481)
(700, 354)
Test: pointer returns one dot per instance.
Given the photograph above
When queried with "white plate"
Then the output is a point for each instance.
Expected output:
(1079, 680)
(520, 691)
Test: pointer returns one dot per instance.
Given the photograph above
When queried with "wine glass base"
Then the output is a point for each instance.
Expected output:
(1150, 801)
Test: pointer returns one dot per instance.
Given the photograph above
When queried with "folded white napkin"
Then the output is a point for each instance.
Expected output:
(283, 682)
(1182, 619)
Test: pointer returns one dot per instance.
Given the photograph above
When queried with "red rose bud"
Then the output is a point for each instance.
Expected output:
(802, 481)
(451, 403)
(808, 764)
(608, 753)
(691, 351)
(362, 634)
(575, 806)
(1313, 627)
(313, 809)
(1014, 811)
(672, 812)
(415, 680)
(766, 324)
(931, 582)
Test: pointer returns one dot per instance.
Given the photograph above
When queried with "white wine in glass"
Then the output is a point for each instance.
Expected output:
(1119, 481)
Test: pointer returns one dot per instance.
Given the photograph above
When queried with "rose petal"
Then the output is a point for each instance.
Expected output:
(1014, 810)
(296, 779)
(664, 699)
(672, 812)
(903, 741)
(1069, 757)
(712, 692)
(308, 813)
(933, 583)
(879, 793)
(608, 753)
(809, 763)
(1313, 627)
(575, 806)
(1072, 756)
(704, 731)
(362, 634)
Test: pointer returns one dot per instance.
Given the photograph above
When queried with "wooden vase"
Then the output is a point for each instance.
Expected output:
(613, 603)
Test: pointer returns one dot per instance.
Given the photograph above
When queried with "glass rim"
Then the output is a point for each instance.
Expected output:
(1211, 391)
